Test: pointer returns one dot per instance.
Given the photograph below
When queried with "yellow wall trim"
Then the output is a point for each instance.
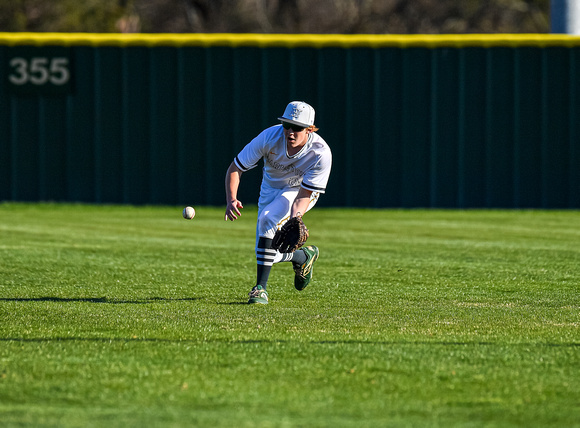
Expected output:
(289, 40)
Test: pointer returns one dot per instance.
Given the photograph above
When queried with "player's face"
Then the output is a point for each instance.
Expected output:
(295, 137)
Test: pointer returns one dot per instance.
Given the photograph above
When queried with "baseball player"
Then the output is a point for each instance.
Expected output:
(297, 163)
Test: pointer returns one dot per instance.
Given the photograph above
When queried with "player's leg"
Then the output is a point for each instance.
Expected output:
(273, 205)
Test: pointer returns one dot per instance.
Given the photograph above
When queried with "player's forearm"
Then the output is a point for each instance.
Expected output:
(233, 177)
(301, 202)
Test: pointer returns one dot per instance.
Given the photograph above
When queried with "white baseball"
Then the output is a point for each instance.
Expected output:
(188, 213)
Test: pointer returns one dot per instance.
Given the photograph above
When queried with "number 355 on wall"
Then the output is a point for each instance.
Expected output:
(38, 72)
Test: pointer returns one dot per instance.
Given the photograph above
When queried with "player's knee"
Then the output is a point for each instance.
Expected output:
(266, 223)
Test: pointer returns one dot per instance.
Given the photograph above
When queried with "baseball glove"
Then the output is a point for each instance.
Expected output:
(291, 236)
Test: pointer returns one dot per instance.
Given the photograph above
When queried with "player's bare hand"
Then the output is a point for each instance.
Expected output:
(233, 210)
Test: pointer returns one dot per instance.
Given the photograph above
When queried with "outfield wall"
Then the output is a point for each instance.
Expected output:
(478, 121)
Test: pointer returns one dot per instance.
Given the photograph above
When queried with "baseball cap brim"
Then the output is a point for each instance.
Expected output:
(293, 122)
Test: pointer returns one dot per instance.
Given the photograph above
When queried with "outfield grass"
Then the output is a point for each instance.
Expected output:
(131, 317)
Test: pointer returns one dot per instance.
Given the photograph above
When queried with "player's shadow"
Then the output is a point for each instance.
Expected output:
(98, 300)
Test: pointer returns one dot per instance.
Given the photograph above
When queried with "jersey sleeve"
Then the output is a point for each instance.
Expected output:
(316, 178)
(251, 154)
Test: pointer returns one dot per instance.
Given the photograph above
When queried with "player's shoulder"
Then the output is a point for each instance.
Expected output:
(319, 144)
(268, 136)
(273, 131)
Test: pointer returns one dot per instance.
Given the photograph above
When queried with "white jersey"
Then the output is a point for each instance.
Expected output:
(309, 168)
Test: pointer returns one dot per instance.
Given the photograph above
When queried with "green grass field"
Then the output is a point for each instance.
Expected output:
(134, 317)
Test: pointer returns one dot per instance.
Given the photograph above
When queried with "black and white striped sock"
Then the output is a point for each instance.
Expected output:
(264, 259)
